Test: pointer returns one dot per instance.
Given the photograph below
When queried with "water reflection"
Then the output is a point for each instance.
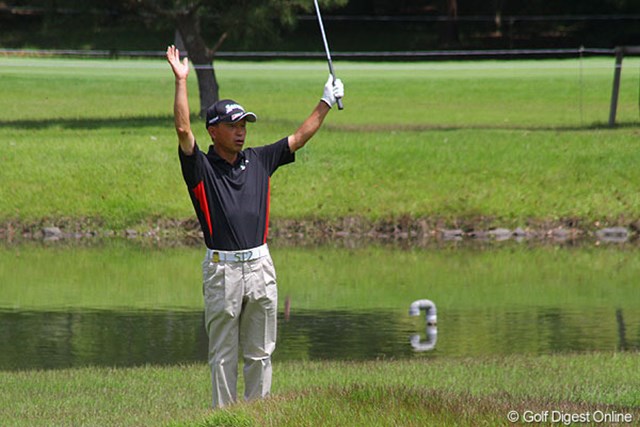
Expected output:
(429, 343)
(431, 320)
(48, 340)
(429, 308)
(102, 338)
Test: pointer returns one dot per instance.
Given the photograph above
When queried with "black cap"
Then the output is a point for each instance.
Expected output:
(227, 111)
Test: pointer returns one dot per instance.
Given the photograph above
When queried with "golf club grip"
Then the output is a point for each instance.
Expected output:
(333, 74)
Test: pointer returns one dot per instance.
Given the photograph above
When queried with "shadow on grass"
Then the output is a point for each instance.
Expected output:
(92, 123)
(425, 127)
(167, 120)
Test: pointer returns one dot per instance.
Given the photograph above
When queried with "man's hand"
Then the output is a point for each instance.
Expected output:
(180, 69)
(332, 91)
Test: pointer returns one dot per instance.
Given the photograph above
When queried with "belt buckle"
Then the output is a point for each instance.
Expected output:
(216, 257)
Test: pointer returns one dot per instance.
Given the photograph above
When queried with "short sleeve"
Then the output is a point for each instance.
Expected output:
(192, 166)
(275, 155)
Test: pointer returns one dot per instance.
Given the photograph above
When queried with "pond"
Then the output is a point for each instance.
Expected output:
(127, 304)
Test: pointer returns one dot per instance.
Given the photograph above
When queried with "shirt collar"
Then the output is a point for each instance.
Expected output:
(215, 157)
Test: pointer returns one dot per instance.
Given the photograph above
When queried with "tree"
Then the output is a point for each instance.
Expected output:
(204, 25)
(451, 32)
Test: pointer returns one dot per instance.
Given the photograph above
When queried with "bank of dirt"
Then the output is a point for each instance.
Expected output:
(350, 230)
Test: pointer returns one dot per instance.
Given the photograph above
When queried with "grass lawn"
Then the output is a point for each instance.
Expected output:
(508, 141)
(424, 391)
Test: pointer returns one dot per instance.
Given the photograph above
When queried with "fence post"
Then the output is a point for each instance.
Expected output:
(616, 86)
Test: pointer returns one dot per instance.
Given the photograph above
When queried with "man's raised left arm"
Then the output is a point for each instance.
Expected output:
(332, 91)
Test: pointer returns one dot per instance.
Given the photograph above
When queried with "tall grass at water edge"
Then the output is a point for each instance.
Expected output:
(465, 392)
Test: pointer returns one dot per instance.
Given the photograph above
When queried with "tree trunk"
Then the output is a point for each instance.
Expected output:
(208, 88)
(498, 17)
(202, 59)
(450, 32)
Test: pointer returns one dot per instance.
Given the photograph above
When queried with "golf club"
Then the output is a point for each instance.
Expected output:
(326, 48)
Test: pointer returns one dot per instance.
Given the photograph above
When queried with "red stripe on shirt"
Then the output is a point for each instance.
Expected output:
(198, 191)
(266, 225)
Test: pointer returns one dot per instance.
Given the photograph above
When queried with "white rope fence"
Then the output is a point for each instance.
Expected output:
(453, 54)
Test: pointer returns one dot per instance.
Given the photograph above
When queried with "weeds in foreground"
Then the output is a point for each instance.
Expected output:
(359, 405)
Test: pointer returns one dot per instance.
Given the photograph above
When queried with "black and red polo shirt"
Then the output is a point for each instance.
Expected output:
(232, 201)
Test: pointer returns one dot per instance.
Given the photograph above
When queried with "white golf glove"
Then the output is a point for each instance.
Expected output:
(332, 91)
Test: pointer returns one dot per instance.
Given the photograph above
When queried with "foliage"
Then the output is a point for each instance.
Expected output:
(250, 21)
(126, 25)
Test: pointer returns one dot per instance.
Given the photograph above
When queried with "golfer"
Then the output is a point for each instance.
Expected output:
(230, 190)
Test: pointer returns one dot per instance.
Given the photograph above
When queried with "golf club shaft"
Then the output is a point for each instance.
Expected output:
(326, 48)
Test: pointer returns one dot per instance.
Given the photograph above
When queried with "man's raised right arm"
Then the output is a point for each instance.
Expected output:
(181, 101)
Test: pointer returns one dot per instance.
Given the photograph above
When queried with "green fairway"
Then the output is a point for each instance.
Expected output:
(508, 141)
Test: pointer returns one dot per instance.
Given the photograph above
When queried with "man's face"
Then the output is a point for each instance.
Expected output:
(229, 137)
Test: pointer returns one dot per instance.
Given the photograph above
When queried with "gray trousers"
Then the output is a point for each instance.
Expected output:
(240, 315)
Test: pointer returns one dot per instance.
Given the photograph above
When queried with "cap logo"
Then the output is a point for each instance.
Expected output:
(230, 107)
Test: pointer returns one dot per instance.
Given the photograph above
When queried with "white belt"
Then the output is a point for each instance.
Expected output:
(237, 256)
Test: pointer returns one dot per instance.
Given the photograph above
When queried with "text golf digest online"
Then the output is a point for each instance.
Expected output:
(567, 418)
